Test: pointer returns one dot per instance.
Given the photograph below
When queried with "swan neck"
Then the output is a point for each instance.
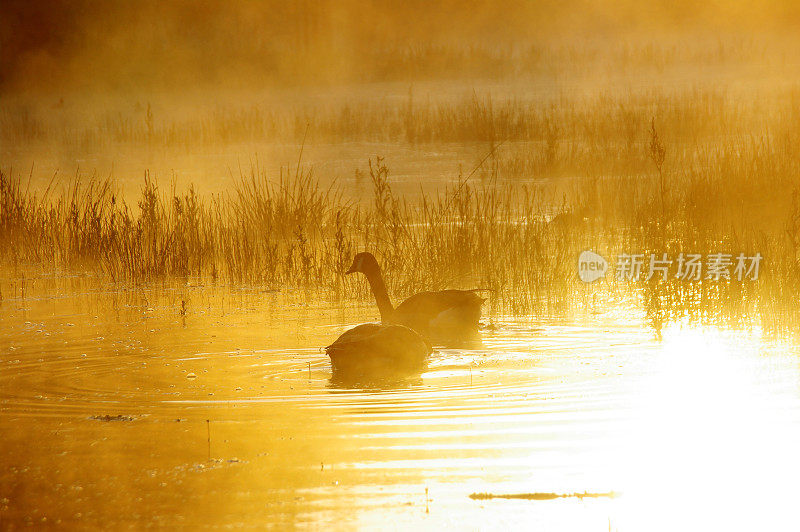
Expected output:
(381, 295)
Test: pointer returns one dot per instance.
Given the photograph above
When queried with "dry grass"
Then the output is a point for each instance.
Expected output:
(647, 171)
(515, 239)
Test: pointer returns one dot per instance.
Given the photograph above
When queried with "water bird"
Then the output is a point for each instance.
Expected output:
(446, 315)
(375, 348)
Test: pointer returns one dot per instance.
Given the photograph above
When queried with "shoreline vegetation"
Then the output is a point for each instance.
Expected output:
(514, 239)
(647, 167)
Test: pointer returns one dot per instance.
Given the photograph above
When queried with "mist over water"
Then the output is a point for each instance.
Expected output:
(192, 93)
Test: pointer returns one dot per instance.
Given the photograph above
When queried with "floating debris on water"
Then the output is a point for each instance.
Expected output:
(108, 417)
(543, 496)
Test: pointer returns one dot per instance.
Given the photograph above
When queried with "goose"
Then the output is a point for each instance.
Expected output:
(449, 315)
(377, 348)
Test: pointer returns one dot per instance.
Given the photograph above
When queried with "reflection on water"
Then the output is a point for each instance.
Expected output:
(347, 382)
(105, 397)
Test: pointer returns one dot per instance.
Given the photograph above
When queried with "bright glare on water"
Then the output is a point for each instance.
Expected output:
(105, 397)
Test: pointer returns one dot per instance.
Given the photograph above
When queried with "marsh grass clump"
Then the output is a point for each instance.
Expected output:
(598, 176)
(519, 241)
(289, 232)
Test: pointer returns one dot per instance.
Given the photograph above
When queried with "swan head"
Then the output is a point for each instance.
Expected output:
(364, 263)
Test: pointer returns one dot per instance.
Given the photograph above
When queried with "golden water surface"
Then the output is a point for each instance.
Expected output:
(120, 410)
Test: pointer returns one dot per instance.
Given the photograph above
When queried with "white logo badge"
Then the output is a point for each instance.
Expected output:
(591, 266)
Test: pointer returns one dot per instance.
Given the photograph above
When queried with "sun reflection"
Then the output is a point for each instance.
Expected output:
(713, 445)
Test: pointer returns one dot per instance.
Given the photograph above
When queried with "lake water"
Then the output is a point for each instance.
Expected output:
(120, 410)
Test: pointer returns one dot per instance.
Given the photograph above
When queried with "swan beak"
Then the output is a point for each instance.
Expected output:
(355, 267)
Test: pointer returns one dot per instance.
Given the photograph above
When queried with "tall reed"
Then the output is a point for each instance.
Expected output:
(517, 240)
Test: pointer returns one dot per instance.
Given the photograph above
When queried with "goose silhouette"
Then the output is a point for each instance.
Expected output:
(375, 348)
(445, 316)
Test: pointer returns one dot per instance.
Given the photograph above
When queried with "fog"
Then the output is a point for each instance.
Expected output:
(63, 46)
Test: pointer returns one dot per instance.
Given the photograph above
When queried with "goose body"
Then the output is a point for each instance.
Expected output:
(374, 347)
(449, 315)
